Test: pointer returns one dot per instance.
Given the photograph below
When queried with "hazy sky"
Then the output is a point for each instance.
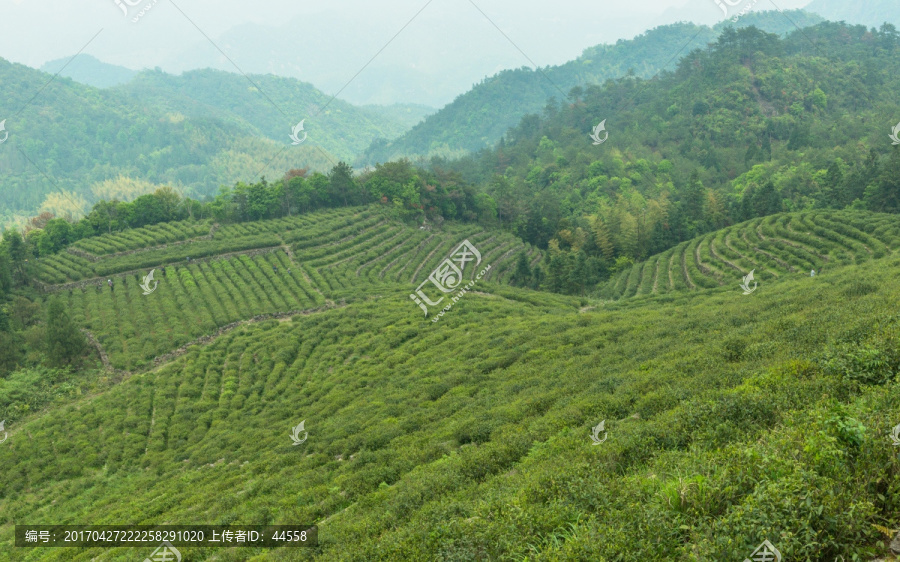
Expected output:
(326, 43)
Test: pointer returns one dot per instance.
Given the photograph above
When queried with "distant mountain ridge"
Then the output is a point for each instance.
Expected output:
(89, 70)
(478, 118)
(194, 132)
(872, 13)
(270, 108)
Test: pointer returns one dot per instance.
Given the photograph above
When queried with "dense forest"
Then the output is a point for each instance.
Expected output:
(170, 309)
(751, 126)
(478, 118)
(74, 145)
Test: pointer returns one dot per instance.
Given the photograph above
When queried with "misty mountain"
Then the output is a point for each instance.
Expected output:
(89, 70)
(872, 13)
(194, 132)
(479, 117)
(443, 51)
(271, 106)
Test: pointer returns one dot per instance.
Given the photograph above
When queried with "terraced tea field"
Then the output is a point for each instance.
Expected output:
(189, 302)
(726, 425)
(243, 271)
(776, 247)
(398, 256)
(119, 254)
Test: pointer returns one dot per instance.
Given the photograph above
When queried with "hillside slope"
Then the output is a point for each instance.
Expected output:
(341, 129)
(72, 137)
(782, 245)
(195, 132)
(245, 270)
(873, 13)
(480, 117)
(729, 420)
(89, 70)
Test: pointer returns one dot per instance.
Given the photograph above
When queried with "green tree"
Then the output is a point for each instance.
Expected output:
(65, 344)
(883, 194)
(342, 188)
(522, 274)
(11, 351)
(5, 275)
(13, 245)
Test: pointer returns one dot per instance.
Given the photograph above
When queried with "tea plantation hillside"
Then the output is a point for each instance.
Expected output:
(728, 420)
(776, 246)
(241, 271)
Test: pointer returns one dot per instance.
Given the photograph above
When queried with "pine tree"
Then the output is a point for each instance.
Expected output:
(522, 275)
(537, 279)
(883, 194)
(558, 273)
(65, 343)
(833, 191)
(13, 246)
(579, 275)
(766, 200)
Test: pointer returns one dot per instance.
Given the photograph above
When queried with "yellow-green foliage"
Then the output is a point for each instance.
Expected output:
(777, 246)
(337, 255)
(731, 419)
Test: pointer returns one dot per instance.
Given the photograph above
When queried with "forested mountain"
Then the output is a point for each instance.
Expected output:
(73, 144)
(88, 70)
(673, 337)
(269, 108)
(406, 115)
(481, 116)
(872, 13)
(522, 425)
(751, 126)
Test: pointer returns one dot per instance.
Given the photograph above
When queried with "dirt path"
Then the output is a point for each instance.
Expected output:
(671, 280)
(780, 262)
(380, 256)
(421, 265)
(98, 281)
(743, 256)
(95, 258)
(712, 251)
(104, 358)
(687, 278)
(655, 277)
(293, 259)
(499, 260)
(172, 355)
